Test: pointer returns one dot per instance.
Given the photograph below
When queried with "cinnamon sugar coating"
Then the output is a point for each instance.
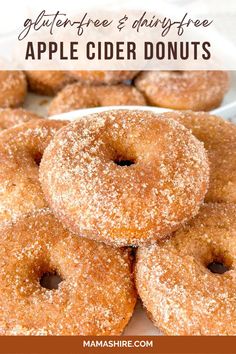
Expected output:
(21, 149)
(219, 138)
(124, 177)
(102, 76)
(194, 90)
(96, 295)
(13, 88)
(47, 82)
(9, 117)
(76, 96)
(182, 295)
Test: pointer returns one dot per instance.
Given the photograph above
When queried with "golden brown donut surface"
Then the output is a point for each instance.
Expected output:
(9, 117)
(194, 90)
(103, 76)
(47, 82)
(77, 96)
(95, 297)
(124, 177)
(175, 279)
(13, 88)
(219, 138)
(21, 149)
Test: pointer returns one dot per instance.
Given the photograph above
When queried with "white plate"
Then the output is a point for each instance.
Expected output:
(84, 112)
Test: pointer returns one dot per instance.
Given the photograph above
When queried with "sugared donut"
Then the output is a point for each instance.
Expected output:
(103, 76)
(124, 177)
(21, 149)
(95, 297)
(47, 82)
(188, 283)
(219, 138)
(77, 96)
(10, 117)
(13, 88)
(194, 90)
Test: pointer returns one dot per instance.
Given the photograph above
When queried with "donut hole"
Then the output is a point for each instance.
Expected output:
(50, 280)
(124, 158)
(218, 267)
(124, 162)
(38, 158)
(219, 263)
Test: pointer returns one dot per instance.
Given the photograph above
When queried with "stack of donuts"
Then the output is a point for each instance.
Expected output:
(116, 205)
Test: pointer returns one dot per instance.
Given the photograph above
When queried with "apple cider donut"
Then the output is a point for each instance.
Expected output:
(194, 90)
(21, 149)
(124, 177)
(76, 96)
(103, 76)
(47, 82)
(188, 283)
(10, 117)
(219, 138)
(96, 295)
(13, 88)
